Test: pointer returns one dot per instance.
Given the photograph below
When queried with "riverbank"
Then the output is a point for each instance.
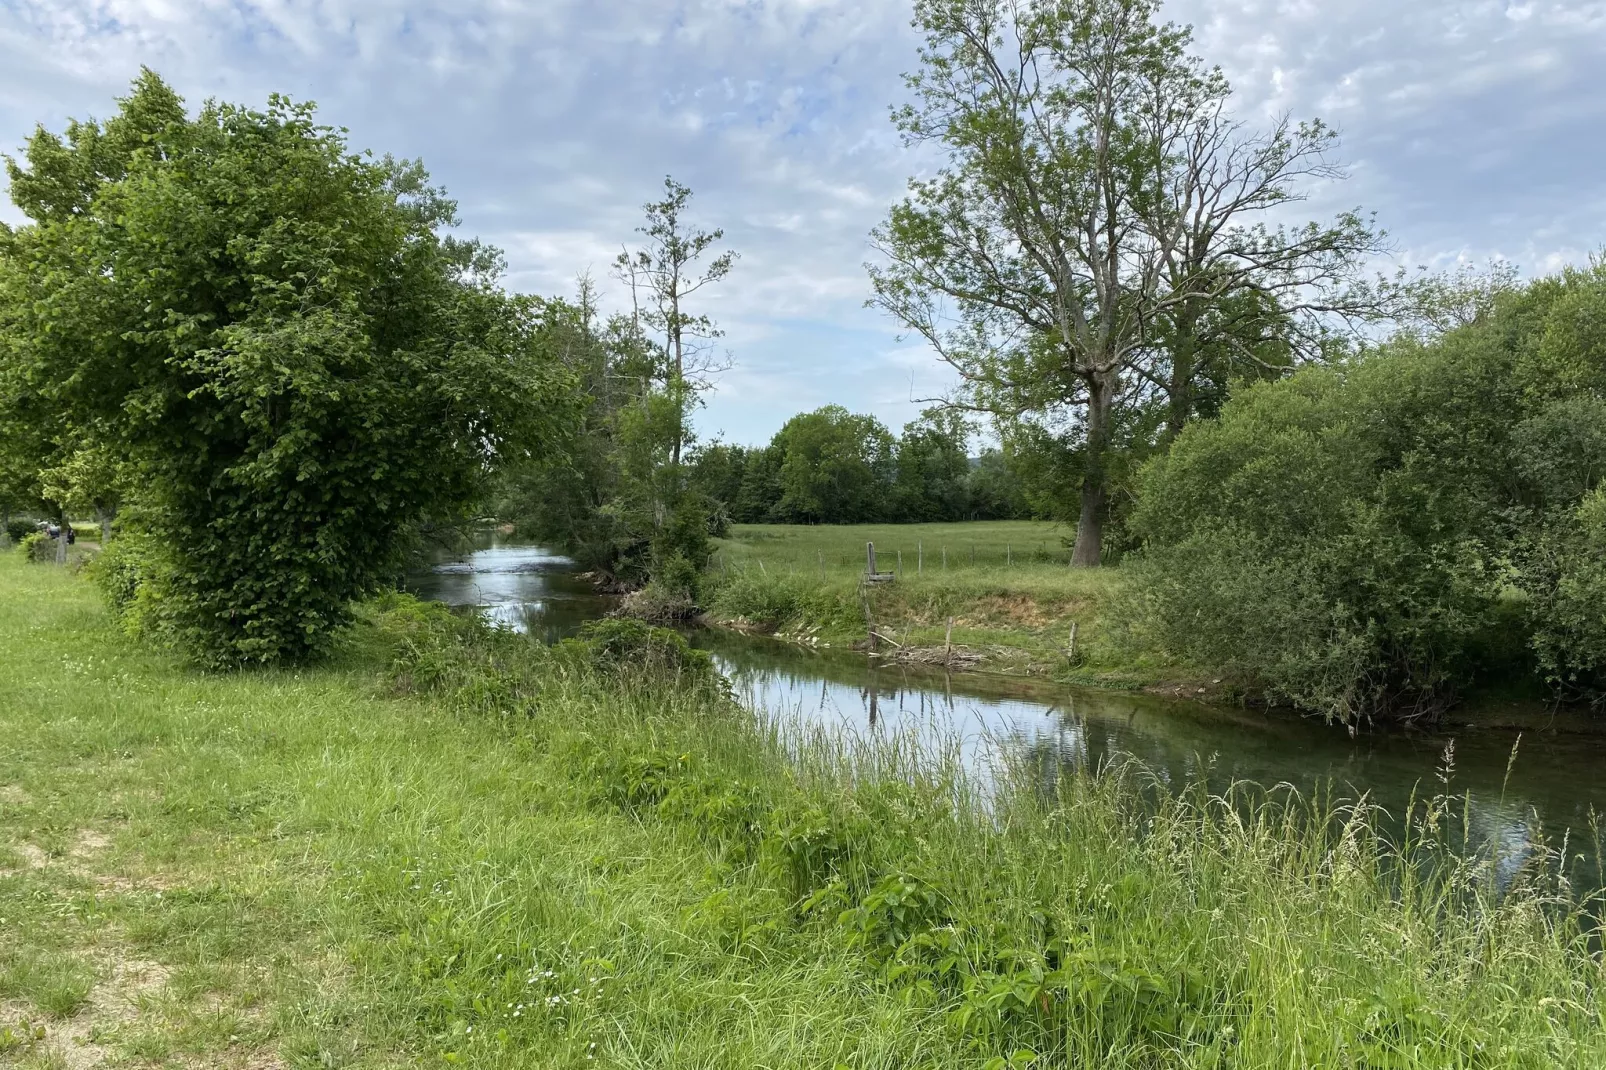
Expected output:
(525, 858)
(994, 597)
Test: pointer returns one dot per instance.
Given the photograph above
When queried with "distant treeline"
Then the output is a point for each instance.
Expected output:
(832, 466)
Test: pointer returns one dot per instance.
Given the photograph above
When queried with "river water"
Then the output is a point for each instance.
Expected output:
(1552, 787)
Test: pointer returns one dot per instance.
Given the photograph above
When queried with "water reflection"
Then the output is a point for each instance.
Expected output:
(1550, 791)
(525, 587)
(1513, 807)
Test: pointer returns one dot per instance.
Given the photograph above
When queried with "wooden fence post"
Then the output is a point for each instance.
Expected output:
(1070, 651)
(869, 558)
(1009, 556)
(869, 620)
(821, 555)
(900, 561)
(948, 644)
(920, 558)
(945, 559)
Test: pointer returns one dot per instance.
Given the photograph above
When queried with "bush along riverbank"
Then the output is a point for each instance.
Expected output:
(454, 846)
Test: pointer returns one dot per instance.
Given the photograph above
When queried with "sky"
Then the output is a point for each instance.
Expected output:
(1474, 129)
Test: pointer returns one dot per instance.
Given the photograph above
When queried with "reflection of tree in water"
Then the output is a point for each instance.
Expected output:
(1040, 733)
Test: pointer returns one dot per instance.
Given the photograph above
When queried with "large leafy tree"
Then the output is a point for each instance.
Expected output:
(836, 466)
(614, 497)
(622, 499)
(933, 467)
(1097, 211)
(276, 333)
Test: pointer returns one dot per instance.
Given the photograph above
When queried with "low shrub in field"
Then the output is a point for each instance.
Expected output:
(119, 573)
(779, 601)
(37, 547)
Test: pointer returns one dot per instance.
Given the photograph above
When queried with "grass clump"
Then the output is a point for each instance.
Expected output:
(452, 847)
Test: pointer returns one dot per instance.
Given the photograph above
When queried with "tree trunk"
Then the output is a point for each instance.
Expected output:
(105, 514)
(680, 379)
(61, 540)
(1179, 391)
(1095, 479)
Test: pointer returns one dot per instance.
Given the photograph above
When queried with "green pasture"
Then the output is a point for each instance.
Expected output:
(838, 550)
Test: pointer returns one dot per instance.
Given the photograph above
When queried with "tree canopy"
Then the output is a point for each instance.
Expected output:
(1100, 238)
(298, 362)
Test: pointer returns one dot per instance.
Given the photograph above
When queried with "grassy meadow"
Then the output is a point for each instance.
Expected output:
(1006, 585)
(452, 847)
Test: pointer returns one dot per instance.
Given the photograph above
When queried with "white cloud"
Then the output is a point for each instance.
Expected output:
(1472, 126)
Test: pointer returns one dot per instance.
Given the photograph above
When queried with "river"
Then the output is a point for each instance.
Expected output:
(1551, 788)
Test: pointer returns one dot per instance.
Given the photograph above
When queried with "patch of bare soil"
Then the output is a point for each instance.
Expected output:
(88, 844)
(77, 1043)
(1015, 609)
(33, 858)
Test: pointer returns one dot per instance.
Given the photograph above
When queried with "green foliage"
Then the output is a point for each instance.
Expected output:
(36, 546)
(1566, 579)
(831, 466)
(619, 496)
(119, 570)
(835, 465)
(1345, 540)
(1093, 252)
(628, 647)
(614, 497)
(299, 367)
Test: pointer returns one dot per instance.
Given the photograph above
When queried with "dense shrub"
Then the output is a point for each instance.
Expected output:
(37, 547)
(299, 365)
(623, 646)
(1346, 539)
(119, 572)
(1566, 578)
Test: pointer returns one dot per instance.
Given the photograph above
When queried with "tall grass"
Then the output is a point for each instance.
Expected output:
(491, 855)
(1059, 917)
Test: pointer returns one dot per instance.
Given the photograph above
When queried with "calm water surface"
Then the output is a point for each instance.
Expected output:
(1554, 785)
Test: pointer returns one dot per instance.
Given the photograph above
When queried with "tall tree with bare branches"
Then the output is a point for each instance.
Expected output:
(1100, 220)
(669, 268)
